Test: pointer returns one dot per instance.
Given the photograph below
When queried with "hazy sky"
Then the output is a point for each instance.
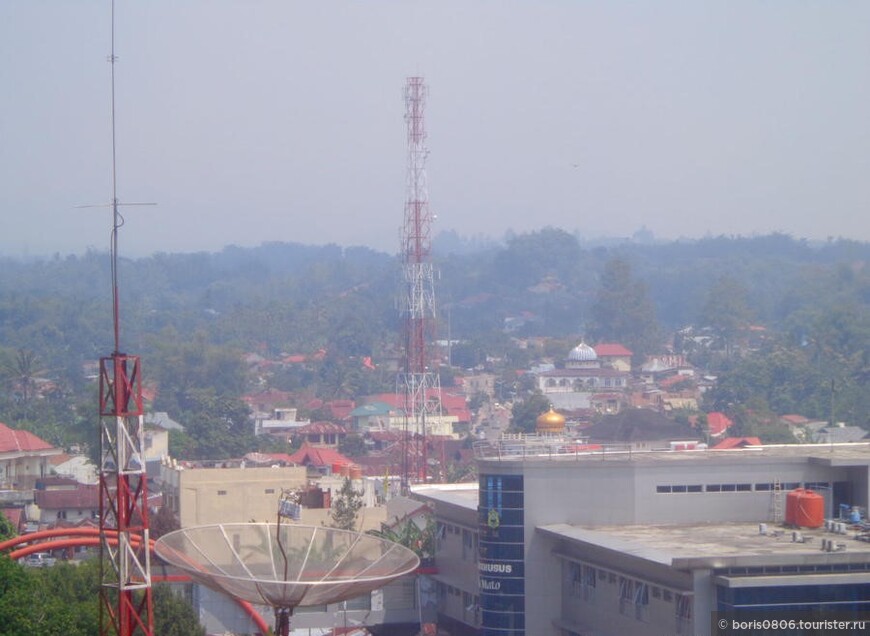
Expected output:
(271, 120)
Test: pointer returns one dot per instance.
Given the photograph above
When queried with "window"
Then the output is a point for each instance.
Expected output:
(694, 488)
(663, 489)
(363, 602)
(588, 583)
(467, 544)
(270, 491)
(683, 612)
(641, 600)
(626, 595)
(744, 487)
(575, 578)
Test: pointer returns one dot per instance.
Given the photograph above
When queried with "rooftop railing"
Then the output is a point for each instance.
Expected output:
(520, 446)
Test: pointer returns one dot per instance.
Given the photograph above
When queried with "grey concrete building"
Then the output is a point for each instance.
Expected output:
(618, 542)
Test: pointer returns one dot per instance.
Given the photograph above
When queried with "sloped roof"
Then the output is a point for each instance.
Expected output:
(340, 409)
(371, 409)
(314, 456)
(737, 442)
(84, 497)
(718, 423)
(12, 440)
(794, 419)
(322, 428)
(611, 349)
(15, 516)
(836, 434)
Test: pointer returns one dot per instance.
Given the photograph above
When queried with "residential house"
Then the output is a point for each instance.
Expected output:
(24, 458)
(614, 355)
(65, 501)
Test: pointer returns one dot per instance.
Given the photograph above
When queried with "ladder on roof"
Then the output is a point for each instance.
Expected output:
(776, 503)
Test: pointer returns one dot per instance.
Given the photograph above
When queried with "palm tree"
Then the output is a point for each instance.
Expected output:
(23, 371)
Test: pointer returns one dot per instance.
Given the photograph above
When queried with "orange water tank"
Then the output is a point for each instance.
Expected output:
(804, 509)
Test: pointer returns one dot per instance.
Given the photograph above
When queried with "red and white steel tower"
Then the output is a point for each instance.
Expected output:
(126, 606)
(418, 383)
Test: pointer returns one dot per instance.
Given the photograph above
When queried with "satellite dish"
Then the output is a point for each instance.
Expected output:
(285, 565)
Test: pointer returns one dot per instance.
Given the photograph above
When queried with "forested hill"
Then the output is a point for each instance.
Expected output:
(290, 297)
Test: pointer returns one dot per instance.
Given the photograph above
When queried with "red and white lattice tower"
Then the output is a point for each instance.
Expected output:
(126, 606)
(418, 382)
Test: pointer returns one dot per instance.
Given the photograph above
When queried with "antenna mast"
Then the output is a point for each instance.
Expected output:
(126, 606)
(417, 383)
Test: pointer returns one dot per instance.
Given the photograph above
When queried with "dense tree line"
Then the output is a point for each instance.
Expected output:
(61, 601)
(191, 316)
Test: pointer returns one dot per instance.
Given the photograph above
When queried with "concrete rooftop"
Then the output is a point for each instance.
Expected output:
(718, 545)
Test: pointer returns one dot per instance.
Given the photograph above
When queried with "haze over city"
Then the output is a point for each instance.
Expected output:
(273, 121)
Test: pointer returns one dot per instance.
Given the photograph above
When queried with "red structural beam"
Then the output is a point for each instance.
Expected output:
(84, 537)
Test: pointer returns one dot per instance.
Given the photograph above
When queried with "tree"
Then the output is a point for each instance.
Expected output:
(7, 530)
(163, 521)
(346, 506)
(216, 426)
(24, 371)
(623, 311)
(524, 414)
(173, 615)
(353, 445)
(411, 535)
(726, 311)
(62, 601)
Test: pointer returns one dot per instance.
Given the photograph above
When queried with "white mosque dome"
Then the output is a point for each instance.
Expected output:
(582, 353)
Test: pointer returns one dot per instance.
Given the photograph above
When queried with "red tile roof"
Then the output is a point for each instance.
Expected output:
(84, 497)
(312, 456)
(12, 440)
(718, 423)
(15, 516)
(795, 420)
(611, 349)
(340, 409)
(737, 442)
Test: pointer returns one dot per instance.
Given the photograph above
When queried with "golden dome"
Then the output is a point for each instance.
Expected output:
(550, 422)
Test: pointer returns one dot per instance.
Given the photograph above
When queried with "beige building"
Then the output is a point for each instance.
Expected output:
(201, 496)
(208, 495)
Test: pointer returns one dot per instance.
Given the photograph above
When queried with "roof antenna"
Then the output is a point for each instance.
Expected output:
(117, 218)
(126, 602)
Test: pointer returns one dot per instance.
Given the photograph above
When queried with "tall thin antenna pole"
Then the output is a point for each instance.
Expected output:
(116, 215)
(418, 383)
(126, 605)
